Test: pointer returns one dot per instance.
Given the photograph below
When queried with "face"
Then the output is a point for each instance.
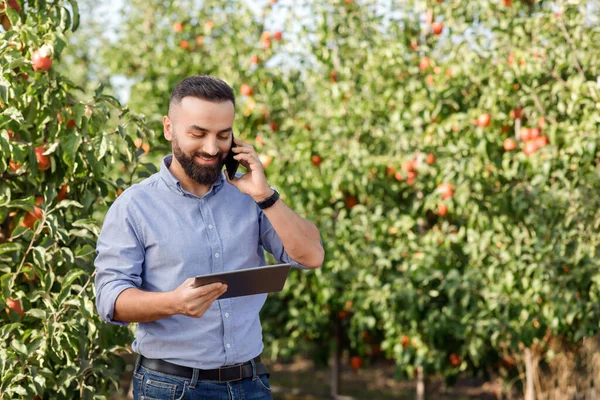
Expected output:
(200, 136)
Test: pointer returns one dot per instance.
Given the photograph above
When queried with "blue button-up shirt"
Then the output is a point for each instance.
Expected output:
(156, 235)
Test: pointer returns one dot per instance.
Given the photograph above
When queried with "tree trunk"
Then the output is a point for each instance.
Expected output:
(336, 365)
(420, 384)
(530, 375)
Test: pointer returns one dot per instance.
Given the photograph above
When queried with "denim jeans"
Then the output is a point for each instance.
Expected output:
(149, 384)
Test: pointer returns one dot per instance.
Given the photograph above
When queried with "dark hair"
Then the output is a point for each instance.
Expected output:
(204, 87)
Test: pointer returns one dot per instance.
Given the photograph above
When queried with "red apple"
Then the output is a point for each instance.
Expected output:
(266, 35)
(41, 60)
(14, 166)
(525, 134)
(178, 27)
(265, 160)
(424, 63)
(447, 190)
(405, 340)
(246, 90)
(507, 3)
(351, 202)
(184, 44)
(316, 160)
(442, 209)
(356, 362)
(530, 148)
(541, 122)
(14, 305)
(541, 141)
(254, 59)
(409, 166)
(517, 113)
(510, 144)
(437, 28)
(43, 161)
(430, 158)
(534, 133)
(30, 218)
(278, 35)
(14, 4)
(454, 359)
(62, 193)
(484, 120)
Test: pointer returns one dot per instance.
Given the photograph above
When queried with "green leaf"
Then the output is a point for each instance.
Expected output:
(37, 313)
(10, 247)
(20, 347)
(68, 203)
(75, 7)
(69, 147)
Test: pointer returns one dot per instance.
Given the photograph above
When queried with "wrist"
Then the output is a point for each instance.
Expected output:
(263, 196)
(172, 303)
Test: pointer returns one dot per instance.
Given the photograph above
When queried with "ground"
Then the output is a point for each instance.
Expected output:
(301, 380)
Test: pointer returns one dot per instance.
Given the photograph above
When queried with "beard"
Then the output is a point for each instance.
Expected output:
(203, 174)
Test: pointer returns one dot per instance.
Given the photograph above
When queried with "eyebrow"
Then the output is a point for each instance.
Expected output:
(199, 128)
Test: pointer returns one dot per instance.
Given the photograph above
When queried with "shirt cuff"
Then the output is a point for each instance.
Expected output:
(107, 297)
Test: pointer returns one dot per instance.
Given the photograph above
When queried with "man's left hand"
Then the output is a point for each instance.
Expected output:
(254, 182)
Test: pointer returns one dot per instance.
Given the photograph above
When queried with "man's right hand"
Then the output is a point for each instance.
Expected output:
(193, 301)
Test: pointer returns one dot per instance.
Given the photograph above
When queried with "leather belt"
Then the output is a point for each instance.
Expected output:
(224, 374)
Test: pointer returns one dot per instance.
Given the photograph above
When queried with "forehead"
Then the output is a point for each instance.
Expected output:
(204, 113)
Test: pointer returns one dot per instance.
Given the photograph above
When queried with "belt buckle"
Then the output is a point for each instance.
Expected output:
(231, 380)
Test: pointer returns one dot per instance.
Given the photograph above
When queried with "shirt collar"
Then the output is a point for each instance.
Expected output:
(173, 182)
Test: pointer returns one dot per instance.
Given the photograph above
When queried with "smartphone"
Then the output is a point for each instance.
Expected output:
(231, 165)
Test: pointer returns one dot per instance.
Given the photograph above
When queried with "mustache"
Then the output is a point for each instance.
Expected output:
(206, 155)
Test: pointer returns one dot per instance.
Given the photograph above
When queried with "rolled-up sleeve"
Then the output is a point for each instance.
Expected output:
(119, 258)
(271, 242)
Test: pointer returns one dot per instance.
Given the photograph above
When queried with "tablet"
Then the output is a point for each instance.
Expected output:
(244, 282)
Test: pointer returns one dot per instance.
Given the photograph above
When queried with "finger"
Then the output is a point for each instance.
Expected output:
(206, 296)
(248, 158)
(243, 149)
(244, 161)
(206, 303)
(208, 289)
(239, 142)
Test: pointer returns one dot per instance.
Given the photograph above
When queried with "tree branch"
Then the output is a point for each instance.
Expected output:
(562, 27)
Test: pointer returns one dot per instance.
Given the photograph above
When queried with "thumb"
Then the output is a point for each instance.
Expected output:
(233, 181)
(189, 282)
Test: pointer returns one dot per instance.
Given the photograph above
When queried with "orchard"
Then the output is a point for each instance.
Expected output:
(57, 176)
(447, 150)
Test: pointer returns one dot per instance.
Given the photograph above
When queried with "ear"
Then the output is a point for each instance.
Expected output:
(168, 128)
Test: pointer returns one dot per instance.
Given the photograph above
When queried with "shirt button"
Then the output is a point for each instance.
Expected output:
(226, 315)
(228, 345)
(216, 255)
(210, 227)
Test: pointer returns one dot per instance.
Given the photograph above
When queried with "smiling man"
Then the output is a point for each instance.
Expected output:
(190, 219)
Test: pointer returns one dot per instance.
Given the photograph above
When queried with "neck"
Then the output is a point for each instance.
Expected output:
(186, 182)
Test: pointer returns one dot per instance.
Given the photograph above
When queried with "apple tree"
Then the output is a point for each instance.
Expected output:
(447, 150)
(58, 174)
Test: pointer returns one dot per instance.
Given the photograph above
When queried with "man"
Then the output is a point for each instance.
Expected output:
(190, 219)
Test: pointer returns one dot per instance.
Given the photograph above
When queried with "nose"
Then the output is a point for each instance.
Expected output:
(210, 146)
